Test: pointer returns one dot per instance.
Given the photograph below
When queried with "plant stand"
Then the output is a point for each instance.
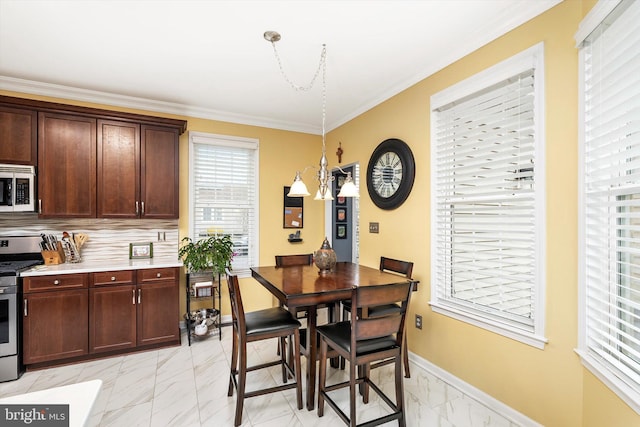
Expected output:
(203, 287)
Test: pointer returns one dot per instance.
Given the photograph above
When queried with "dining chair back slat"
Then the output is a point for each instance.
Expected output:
(292, 260)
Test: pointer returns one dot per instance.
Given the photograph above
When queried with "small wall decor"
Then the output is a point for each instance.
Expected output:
(341, 231)
(293, 211)
(341, 214)
(140, 250)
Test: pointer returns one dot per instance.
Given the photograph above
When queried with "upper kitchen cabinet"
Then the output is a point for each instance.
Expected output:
(93, 162)
(159, 175)
(18, 136)
(66, 166)
(118, 169)
(137, 171)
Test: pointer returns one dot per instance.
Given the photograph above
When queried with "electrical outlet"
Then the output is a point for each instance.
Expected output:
(374, 227)
(418, 321)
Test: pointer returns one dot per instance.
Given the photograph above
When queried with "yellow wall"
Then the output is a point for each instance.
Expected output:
(550, 385)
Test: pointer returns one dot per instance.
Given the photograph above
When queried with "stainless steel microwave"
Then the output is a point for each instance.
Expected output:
(17, 188)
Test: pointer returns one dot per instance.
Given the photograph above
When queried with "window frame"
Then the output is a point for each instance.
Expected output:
(531, 58)
(233, 142)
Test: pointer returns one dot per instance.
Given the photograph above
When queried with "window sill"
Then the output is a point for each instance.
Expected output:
(630, 396)
(524, 337)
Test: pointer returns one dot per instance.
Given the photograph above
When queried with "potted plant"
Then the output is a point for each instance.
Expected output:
(211, 254)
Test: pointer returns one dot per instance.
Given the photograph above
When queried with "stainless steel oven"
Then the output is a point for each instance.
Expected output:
(16, 255)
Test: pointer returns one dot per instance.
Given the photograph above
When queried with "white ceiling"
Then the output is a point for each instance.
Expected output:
(209, 58)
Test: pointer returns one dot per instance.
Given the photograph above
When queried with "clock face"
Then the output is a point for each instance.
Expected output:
(387, 174)
(390, 174)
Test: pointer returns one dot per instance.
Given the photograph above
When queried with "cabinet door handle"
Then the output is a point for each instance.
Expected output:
(133, 296)
(142, 208)
(158, 274)
(56, 282)
(39, 206)
(25, 308)
(113, 278)
(137, 210)
(139, 295)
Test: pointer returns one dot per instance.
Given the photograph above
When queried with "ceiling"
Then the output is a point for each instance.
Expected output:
(209, 58)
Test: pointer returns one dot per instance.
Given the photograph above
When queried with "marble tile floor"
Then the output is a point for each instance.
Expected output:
(187, 386)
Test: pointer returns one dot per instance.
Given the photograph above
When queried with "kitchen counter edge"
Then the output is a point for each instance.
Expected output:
(98, 266)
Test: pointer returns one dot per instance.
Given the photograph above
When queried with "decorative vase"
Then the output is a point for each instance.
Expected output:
(325, 257)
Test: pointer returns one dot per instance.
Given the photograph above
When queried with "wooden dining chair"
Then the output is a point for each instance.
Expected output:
(255, 326)
(362, 341)
(396, 266)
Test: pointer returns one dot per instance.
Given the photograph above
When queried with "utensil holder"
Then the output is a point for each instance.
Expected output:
(54, 257)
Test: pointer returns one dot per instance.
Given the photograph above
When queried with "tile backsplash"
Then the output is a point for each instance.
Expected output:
(108, 238)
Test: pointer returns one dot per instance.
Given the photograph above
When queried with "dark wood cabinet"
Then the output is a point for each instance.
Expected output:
(55, 322)
(18, 136)
(118, 169)
(159, 179)
(157, 313)
(112, 311)
(158, 305)
(93, 162)
(124, 314)
(137, 171)
(66, 166)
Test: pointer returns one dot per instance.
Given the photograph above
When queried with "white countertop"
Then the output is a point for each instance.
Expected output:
(80, 398)
(102, 265)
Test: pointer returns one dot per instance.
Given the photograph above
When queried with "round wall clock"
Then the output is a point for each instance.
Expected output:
(390, 174)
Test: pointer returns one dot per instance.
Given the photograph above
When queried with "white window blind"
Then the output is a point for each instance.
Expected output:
(224, 194)
(486, 172)
(610, 200)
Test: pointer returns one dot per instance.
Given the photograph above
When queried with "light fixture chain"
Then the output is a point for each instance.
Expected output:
(315, 76)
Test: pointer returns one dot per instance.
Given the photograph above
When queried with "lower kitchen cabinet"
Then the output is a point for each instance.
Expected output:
(112, 318)
(83, 316)
(55, 325)
(156, 313)
(133, 309)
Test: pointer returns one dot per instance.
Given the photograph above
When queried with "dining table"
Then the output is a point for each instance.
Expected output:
(304, 286)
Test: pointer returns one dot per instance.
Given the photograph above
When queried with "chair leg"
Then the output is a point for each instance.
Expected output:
(298, 368)
(283, 359)
(352, 394)
(399, 391)
(366, 374)
(405, 355)
(322, 379)
(345, 313)
(242, 382)
(234, 363)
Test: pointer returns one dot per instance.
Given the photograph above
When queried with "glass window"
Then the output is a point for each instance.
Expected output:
(610, 196)
(488, 183)
(224, 193)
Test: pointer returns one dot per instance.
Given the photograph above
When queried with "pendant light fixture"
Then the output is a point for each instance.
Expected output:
(298, 188)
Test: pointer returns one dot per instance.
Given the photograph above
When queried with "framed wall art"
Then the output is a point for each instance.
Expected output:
(140, 250)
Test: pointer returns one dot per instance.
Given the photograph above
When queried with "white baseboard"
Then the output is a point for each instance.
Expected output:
(473, 392)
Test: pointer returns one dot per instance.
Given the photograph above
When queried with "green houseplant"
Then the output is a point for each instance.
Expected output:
(210, 254)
